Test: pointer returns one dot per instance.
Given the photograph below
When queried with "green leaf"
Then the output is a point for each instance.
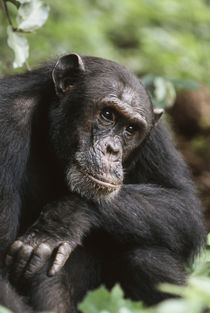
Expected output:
(24, 1)
(172, 289)
(159, 104)
(200, 284)
(32, 15)
(201, 265)
(101, 301)
(19, 44)
(15, 2)
(148, 79)
(4, 310)
(164, 91)
(208, 240)
(179, 306)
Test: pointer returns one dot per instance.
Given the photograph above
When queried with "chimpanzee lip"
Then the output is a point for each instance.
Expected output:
(103, 183)
(96, 180)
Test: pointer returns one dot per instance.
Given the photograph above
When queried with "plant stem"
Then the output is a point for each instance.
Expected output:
(8, 15)
(14, 29)
(27, 66)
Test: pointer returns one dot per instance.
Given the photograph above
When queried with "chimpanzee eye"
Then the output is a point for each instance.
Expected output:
(107, 115)
(131, 130)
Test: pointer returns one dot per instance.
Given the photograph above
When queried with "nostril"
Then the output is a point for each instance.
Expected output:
(111, 149)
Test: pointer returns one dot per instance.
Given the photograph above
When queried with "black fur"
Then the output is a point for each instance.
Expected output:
(146, 234)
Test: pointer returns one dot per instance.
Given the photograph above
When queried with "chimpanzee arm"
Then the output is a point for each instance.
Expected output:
(151, 215)
(20, 98)
(143, 215)
(14, 151)
(60, 228)
(9, 211)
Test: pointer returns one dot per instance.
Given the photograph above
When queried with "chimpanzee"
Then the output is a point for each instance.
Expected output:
(92, 188)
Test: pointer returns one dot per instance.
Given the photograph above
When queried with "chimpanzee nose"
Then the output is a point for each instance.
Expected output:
(113, 150)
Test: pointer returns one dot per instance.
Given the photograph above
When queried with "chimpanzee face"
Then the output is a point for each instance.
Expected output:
(108, 113)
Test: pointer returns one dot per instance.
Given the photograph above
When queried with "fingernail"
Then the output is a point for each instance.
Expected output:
(51, 273)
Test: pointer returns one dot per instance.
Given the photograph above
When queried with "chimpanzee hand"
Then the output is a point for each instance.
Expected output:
(30, 253)
(59, 229)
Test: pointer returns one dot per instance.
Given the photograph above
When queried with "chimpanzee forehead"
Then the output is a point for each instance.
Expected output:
(108, 82)
(126, 93)
(126, 87)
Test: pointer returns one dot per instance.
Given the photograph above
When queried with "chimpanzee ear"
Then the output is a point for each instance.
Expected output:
(157, 114)
(66, 72)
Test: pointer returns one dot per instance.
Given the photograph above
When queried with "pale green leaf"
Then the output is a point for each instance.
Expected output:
(148, 79)
(179, 306)
(32, 15)
(103, 301)
(202, 284)
(24, 1)
(19, 44)
(164, 91)
(201, 265)
(172, 289)
(208, 240)
(4, 310)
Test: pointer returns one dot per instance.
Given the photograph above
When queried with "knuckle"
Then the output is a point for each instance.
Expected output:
(65, 244)
(65, 248)
(16, 246)
(44, 248)
(27, 249)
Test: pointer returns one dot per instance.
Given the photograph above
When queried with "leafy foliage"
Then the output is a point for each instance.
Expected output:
(31, 15)
(163, 91)
(169, 38)
(110, 302)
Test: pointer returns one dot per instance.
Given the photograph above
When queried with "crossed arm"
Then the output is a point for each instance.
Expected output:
(141, 214)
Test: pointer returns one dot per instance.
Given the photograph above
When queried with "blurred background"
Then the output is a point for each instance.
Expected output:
(165, 42)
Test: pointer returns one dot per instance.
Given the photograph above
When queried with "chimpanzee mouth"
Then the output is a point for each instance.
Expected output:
(103, 183)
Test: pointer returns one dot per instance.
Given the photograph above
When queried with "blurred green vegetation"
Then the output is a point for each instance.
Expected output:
(168, 37)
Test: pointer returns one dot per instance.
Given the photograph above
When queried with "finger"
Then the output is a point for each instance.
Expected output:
(62, 255)
(39, 258)
(21, 259)
(12, 251)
